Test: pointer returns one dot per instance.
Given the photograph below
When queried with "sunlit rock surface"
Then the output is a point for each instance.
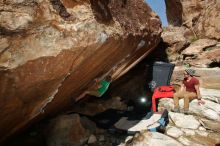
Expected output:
(174, 132)
(210, 109)
(183, 120)
(199, 46)
(201, 16)
(146, 138)
(51, 51)
(199, 127)
(175, 40)
(182, 49)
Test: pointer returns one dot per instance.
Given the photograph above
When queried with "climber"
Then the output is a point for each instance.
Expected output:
(189, 91)
(98, 89)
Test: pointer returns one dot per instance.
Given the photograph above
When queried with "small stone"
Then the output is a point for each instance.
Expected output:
(92, 139)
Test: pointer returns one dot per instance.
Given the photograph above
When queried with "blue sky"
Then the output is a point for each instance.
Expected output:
(159, 7)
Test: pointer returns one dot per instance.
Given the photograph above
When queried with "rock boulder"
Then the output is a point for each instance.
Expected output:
(67, 130)
(183, 121)
(152, 138)
(51, 51)
(201, 17)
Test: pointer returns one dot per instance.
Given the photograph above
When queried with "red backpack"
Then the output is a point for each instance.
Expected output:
(166, 88)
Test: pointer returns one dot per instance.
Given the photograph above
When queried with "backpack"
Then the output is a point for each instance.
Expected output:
(166, 88)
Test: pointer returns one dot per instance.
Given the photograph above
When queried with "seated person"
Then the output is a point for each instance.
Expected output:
(189, 91)
(99, 88)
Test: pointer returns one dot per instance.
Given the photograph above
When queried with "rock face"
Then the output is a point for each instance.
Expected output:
(203, 53)
(193, 35)
(152, 138)
(174, 132)
(211, 94)
(67, 130)
(50, 51)
(174, 39)
(181, 49)
(184, 120)
(210, 110)
(198, 46)
(201, 16)
(200, 127)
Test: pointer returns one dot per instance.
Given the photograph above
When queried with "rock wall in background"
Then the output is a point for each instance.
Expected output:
(192, 38)
(52, 50)
(200, 16)
(201, 54)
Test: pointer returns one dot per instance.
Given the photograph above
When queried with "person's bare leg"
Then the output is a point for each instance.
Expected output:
(94, 93)
(81, 96)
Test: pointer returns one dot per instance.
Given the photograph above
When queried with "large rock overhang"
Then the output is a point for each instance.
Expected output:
(51, 51)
